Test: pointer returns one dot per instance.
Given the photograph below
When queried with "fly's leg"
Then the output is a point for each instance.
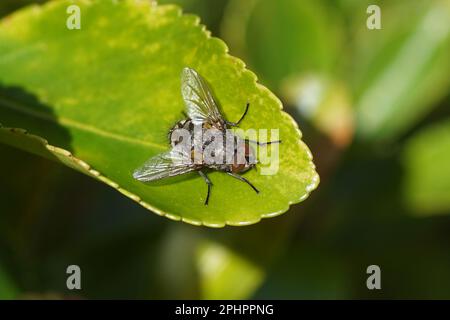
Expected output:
(244, 180)
(245, 113)
(262, 143)
(235, 124)
(208, 182)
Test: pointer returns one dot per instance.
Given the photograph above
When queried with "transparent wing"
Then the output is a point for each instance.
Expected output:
(167, 164)
(199, 101)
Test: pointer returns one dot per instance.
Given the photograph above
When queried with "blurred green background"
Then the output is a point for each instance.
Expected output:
(374, 107)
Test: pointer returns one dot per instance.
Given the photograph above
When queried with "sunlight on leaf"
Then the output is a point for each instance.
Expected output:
(103, 98)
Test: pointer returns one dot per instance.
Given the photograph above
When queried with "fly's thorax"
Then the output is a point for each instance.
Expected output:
(213, 147)
(189, 126)
(179, 131)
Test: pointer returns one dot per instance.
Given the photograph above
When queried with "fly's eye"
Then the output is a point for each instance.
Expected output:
(180, 139)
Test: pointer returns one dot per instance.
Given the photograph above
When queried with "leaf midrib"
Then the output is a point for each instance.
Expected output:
(17, 107)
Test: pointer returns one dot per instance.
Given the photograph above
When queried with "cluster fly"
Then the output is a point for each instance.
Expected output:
(204, 147)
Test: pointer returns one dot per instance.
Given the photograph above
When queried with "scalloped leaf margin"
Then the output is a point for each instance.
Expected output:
(43, 148)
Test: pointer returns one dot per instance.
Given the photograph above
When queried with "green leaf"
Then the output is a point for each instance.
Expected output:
(212, 266)
(8, 6)
(210, 11)
(102, 99)
(427, 170)
(224, 274)
(295, 46)
(401, 71)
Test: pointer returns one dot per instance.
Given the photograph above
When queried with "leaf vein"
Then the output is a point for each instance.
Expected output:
(75, 124)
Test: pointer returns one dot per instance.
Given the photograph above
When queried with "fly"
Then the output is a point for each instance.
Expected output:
(202, 115)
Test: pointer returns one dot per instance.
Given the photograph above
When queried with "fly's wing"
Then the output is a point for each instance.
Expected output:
(199, 101)
(167, 164)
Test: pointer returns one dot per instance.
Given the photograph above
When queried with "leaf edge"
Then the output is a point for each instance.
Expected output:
(87, 169)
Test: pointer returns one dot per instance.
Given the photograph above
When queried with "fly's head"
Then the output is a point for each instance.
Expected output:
(245, 163)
